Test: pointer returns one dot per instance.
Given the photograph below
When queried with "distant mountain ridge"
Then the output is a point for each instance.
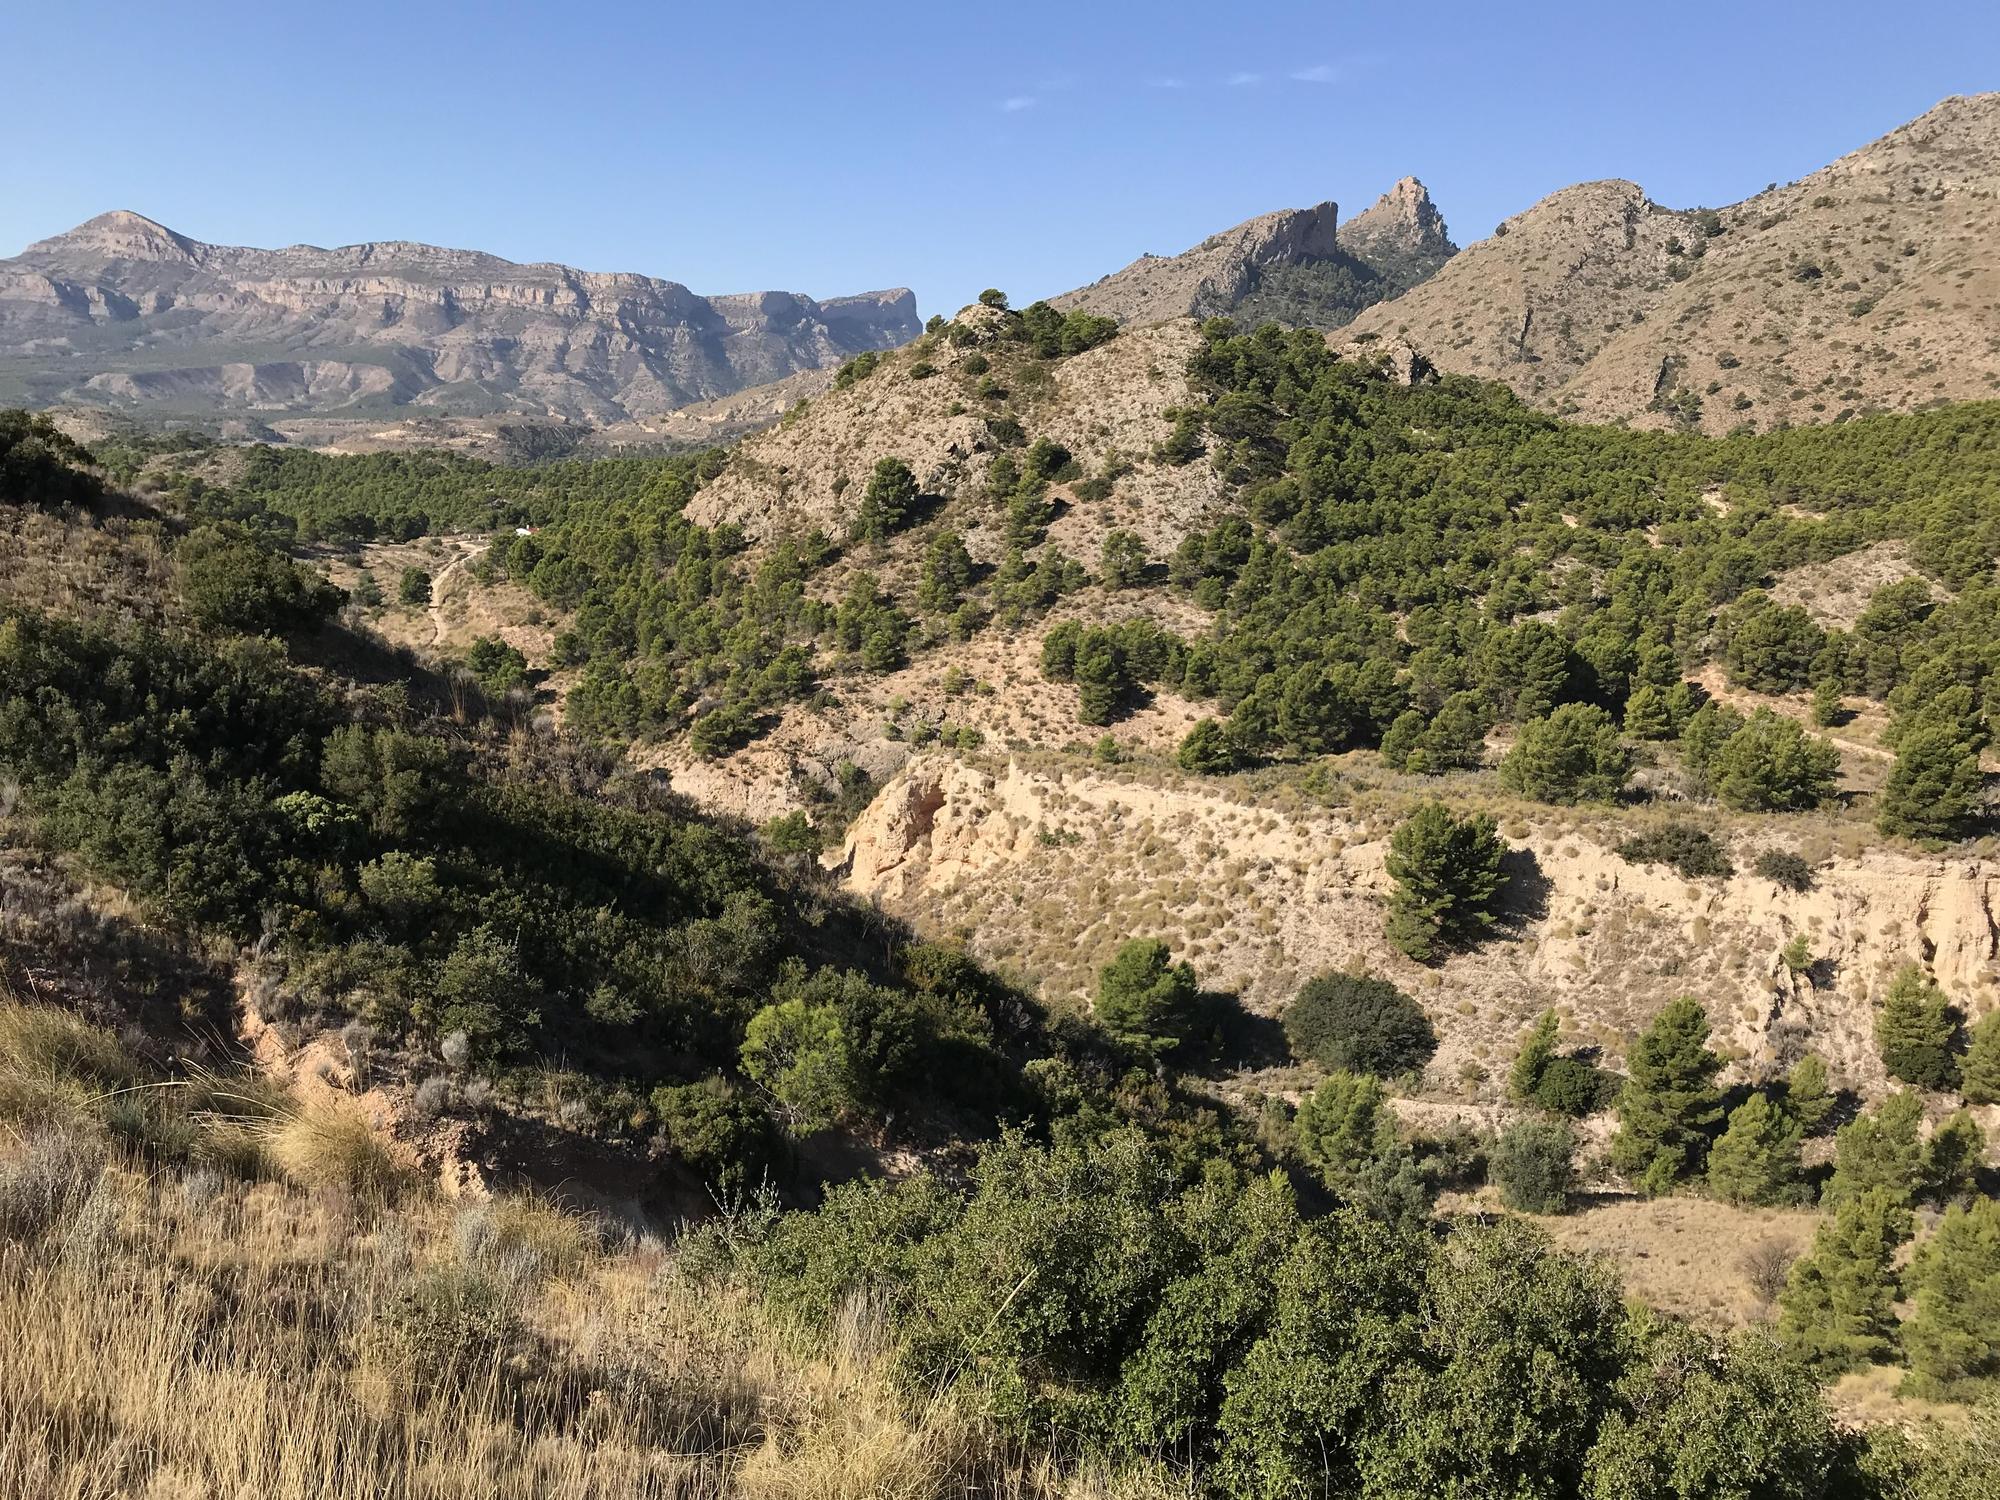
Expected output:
(1867, 285)
(1296, 266)
(126, 312)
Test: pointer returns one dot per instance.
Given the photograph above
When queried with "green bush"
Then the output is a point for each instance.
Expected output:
(1680, 846)
(1534, 1166)
(1574, 755)
(1358, 1023)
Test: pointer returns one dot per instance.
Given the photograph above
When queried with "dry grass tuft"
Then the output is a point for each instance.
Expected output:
(328, 1144)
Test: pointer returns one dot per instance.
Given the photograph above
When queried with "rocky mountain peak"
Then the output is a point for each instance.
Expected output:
(120, 235)
(1403, 220)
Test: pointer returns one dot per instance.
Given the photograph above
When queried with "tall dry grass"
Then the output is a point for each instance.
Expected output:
(313, 1326)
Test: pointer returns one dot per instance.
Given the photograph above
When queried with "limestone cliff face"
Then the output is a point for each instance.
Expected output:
(122, 309)
(1402, 226)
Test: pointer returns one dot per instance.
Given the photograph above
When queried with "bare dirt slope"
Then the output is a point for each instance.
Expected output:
(1867, 285)
(1048, 867)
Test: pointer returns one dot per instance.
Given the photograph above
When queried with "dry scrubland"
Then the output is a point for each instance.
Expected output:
(208, 1289)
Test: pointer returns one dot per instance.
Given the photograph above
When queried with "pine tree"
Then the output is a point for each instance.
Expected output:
(1757, 1160)
(885, 506)
(1669, 1107)
(1404, 740)
(1145, 998)
(1952, 1158)
(1915, 1031)
(1838, 1308)
(1533, 1060)
(1646, 715)
(1952, 1337)
(1935, 790)
(1574, 755)
(1447, 874)
(1880, 1152)
(1809, 1097)
(1981, 1072)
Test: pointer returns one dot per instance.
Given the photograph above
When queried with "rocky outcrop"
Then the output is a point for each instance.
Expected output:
(1216, 274)
(1403, 228)
(126, 311)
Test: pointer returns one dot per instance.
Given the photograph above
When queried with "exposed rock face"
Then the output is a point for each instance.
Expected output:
(1298, 266)
(124, 311)
(1867, 285)
(1404, 226)
(1216, 274)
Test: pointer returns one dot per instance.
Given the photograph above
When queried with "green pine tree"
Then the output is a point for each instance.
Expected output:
(1952, 1158)
(1537, 1052)
(1145, 998)
(1839, 1305)
(1980, 1073)
(1915, 1031)
(1880, 1152)
(1669, 1108)
(1447, 874)
(1809, 1096)
(1757, 1159)
(1646, 714)
(1952, 1337)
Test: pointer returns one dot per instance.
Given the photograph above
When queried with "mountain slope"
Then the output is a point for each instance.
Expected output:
(123, 311)
(1296, 266)
(1863, 286)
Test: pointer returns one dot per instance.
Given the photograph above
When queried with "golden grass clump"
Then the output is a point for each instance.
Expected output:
(332, 1144)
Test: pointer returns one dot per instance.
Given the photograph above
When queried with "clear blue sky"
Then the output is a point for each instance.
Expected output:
(947, 146)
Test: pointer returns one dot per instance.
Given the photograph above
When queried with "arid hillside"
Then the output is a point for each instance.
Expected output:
(1865, 286)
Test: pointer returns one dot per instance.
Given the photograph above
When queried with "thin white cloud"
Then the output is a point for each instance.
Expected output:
(1319, 73)
(1167, 83)
(1018, 103)
(1243, 80)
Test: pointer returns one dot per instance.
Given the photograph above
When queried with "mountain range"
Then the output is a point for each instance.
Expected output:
(123, 311)
(1864, 286)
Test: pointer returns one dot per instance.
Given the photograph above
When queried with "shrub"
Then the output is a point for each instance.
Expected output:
(239, 584)
(722, 1133)
(1358, 1023)
(1771, 764)
(1572, 1087)
(1784, 870)
(1681, 846)
(413, 587)
(455, 1328)
(1534, 1166)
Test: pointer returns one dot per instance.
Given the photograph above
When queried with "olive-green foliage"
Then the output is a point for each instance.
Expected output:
(238, 583)
(1768, 648)
(1145, 998)
(1343, 1125)
(1981, 1068)
(1916, 1032)
(1122, 561)
(885, 505)
(1935, 789)
(1757, 1160)
(1209, 749)
(1702, 1415)
(1572, 756)
(413, 587)
(1838, 1307)
(1538, 1050)
(1534, 1165)
(1669, 1109)
(1772, 765)
(1690, 850)
(1881, 1151)
(1089, 1285)
(1358, 1023)
(1784, 869)
(1952, 1336)
(1953, 1157)
(1109, 664)
(1943, 1460)
(41, 465)
(1447, 875)
(1809, 1097)
(499, 667)
(719, 1130)
(1573, 1087)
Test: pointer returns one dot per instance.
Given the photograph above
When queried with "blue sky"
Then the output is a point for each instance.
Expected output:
(835, 148)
